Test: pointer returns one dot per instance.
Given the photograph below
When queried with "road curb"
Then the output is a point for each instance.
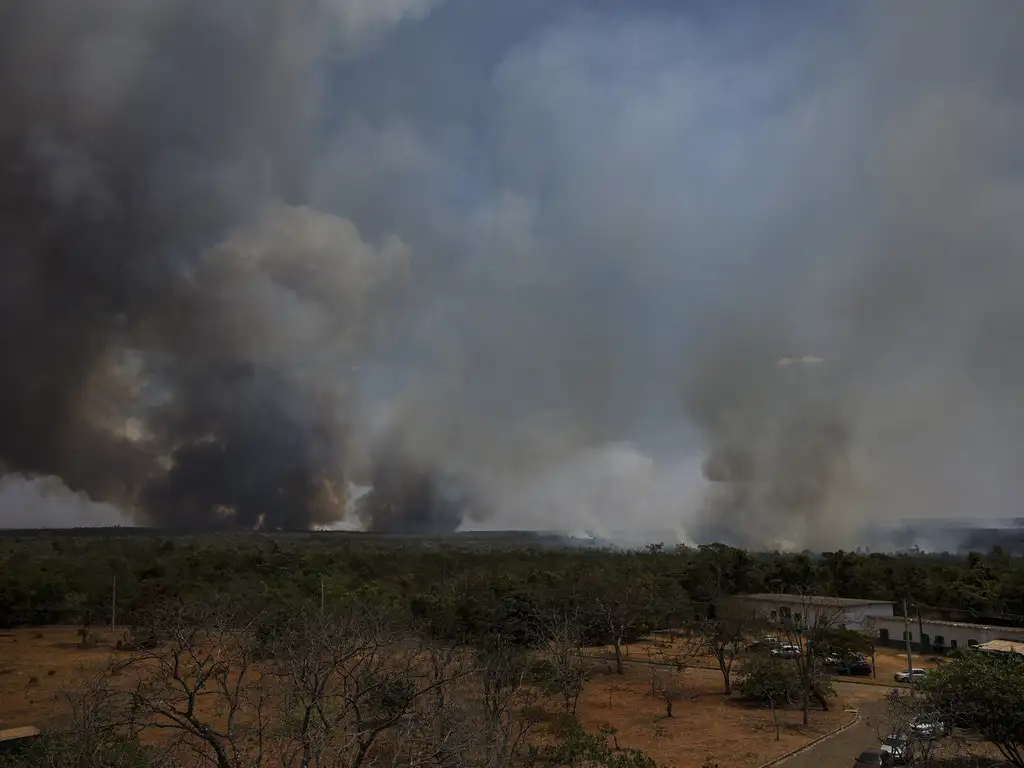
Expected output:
(812, 744)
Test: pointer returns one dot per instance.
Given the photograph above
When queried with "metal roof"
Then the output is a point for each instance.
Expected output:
(24, 732)
(960, 624)
(824, 600)
(1001, 646)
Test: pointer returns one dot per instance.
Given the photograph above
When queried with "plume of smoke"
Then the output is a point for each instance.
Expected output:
(173, 336)
(610, 226)
(913, 411)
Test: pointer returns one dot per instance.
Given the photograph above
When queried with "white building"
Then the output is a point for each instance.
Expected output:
(943, 635)
(806, 610)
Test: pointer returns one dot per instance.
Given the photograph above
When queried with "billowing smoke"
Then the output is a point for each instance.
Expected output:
(902, 244)
(515, 264)
(177, 326)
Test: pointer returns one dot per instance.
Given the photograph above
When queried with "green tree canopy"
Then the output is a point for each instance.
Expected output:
(984, 692)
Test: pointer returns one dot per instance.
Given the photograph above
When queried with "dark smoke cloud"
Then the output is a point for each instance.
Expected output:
(409, 496)
(174, 337)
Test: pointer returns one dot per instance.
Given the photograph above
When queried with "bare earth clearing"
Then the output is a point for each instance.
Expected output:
(38, 664)
(705, 723)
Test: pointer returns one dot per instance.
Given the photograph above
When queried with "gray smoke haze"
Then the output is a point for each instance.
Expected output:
(515, 265)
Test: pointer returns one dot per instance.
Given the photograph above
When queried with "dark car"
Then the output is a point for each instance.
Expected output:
(857, 668)
(872, 757)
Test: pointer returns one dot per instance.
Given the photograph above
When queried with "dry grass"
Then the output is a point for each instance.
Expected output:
(37, 665)
(705, 723)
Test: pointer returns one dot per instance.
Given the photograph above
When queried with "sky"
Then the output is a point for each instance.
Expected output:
(555, 250)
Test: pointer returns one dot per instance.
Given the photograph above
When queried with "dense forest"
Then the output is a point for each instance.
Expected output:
(62, 578)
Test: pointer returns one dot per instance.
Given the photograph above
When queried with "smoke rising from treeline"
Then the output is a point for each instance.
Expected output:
(515, 265)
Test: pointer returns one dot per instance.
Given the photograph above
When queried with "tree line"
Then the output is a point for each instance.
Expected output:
(48, 579)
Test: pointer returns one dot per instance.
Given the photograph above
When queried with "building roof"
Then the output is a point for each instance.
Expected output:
(14, 734)
(1001, 646)
(959, 624)
(824, 600)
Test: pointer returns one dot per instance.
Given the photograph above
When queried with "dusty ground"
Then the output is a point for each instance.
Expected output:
(705, 723)
(889, 661)
(38, 665)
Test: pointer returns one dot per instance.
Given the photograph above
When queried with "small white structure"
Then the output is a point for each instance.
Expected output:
(806, 610)
(945, 635)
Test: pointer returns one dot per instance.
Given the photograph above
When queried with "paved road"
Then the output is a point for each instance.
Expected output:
(840, 751)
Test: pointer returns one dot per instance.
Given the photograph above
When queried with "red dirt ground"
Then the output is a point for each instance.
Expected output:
(37, 665)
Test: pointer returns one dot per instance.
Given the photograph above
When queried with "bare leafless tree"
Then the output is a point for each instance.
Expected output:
(93, 730)
(804, 632)
(561, 663)
(508, 700)
(196, 680)
(725, 637)
(669, 658)
(905, 712)
(621, 607)
(359, 686)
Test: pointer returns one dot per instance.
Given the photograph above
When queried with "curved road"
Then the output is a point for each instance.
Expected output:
(840, 751)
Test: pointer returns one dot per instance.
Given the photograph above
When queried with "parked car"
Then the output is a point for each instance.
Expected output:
(899, 748)
(872, 757)
(910, 675)
(930, 728)
(855, 668)
(787, 651)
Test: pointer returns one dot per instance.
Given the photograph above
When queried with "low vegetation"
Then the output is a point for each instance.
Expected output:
(318, 652)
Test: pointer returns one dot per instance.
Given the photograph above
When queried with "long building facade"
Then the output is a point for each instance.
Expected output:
(807, 610)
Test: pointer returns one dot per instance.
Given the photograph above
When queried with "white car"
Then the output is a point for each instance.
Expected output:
(787, 651)
(930, 728)
(910, 675)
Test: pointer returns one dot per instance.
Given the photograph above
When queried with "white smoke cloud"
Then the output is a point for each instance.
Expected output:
(45, 502)
(362, 23)
(614, 492)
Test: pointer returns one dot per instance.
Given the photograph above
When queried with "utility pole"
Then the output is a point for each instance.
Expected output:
(113, 606)
(906, 638)
(321, 595)
(920, 629)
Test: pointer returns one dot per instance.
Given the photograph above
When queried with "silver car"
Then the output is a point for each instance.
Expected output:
(930, 728)
(910, 675)
(787, 651)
